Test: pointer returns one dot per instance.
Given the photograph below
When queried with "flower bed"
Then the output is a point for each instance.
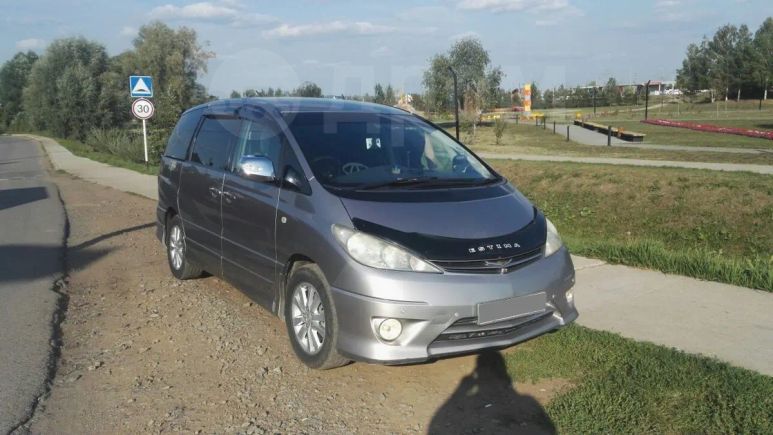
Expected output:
(763, 134)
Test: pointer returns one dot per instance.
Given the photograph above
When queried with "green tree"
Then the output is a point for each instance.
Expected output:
(763, 43)
(379, 97)
(174, 58)
(389, 96)
(471, 62)
(235, 94)
(611, 92)
(439, 85)
(64, 88)
(14, 75)
(693, 75)
(308, 89)
(536, 98)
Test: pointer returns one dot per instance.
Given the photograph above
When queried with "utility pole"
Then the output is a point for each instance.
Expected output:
(456, 101)
(646, 99)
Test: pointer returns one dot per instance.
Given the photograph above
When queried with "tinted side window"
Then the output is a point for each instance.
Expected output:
(214, 141)
(260, 139)
(177, 147)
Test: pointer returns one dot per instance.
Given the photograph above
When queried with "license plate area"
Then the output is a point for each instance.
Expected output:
(506, 309)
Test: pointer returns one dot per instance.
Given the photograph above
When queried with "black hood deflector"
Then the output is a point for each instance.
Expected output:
(433, 247)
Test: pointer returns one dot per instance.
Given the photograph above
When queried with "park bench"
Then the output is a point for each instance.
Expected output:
(629, 136)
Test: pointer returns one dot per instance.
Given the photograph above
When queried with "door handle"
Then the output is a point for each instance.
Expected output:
(228, 196)
(215, 192)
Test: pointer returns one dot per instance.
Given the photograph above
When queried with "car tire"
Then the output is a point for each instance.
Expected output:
(176, 251)
(307, 305)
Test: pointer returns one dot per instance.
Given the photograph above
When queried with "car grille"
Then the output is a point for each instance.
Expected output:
(498, 265)
(467, 328)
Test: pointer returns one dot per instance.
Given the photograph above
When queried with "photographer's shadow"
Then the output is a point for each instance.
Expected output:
(486, 402)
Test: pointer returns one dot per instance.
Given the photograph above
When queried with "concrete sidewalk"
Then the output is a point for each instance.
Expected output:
(731, 167)
(731, 323)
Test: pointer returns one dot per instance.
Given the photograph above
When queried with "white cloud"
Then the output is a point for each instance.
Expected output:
(326, 28)
(463, 35)
(30, 44)
(129, 31)
(229, 12)
(514, 5)
(381, 51)
(675, 11)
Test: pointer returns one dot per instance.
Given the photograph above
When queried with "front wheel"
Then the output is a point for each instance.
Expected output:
(176, 251)
(311, 319)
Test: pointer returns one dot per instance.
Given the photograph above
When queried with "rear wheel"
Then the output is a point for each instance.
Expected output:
(311, 319)
(176, 251)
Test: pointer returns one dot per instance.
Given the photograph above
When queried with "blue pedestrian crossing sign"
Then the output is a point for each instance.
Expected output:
(141, 86)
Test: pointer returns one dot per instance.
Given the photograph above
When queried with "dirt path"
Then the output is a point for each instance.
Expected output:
(145, 353)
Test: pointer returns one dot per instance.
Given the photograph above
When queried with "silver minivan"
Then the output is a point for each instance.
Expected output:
(371, 232)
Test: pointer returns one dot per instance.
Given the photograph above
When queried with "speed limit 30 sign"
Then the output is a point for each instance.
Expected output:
(142, 108)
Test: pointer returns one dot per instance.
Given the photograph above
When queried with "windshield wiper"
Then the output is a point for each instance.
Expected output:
(398, 182)
(427, 182)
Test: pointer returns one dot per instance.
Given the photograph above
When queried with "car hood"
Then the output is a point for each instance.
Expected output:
(477, 228)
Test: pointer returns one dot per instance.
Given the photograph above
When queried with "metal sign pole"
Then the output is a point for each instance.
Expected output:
(145, 140)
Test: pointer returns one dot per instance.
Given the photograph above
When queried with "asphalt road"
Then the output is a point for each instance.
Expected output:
(32, 231)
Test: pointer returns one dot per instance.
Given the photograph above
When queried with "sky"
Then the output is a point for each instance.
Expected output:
(346, 46)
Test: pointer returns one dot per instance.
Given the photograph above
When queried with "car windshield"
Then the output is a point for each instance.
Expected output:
(374, 151)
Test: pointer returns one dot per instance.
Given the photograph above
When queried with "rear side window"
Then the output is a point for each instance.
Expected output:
(214, 142)
(177, 147)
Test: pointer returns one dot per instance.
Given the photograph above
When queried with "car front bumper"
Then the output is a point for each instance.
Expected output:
(439, 312)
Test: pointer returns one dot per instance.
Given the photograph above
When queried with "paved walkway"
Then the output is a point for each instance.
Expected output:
(589, 137)
(731, 167)
(728, 322)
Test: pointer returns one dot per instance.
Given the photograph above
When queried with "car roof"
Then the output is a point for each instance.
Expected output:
(300, 104)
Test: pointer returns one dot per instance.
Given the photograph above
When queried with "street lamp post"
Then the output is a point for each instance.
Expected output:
(456, 101)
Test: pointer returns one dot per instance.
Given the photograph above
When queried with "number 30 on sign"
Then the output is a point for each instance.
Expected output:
(142, 108)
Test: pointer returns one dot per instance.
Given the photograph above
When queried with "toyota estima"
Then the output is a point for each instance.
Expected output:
(373, 233)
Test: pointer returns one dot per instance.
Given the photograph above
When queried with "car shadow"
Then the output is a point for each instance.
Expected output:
(486, 402)
(23, 262)
(10, 198)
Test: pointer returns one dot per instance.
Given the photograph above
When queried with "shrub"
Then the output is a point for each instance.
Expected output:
(499, 129)
(118, 142)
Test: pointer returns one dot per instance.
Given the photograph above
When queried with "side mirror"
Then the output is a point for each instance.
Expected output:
(256, 168)
(295, 180)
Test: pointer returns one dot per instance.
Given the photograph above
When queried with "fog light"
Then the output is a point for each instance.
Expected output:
(570, 296)
(390, 329)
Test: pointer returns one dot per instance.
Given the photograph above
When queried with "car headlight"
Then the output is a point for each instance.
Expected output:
(553, 241)
(374, 252)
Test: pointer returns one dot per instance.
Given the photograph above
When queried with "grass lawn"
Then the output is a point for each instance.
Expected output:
(744, 114)
(705, 224)
(528, 139)
(81, 149)
(622, 386)
(682, 136)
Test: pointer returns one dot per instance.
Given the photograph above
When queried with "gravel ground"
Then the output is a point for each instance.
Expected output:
(143, 352)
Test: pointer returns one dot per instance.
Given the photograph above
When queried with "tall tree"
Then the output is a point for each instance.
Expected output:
(389, 96)
(471, 62)
(64, 88)
(13, 78)
(175, 59)
(763, 42)
(693, 76)
(308, 89)
(379, 97)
